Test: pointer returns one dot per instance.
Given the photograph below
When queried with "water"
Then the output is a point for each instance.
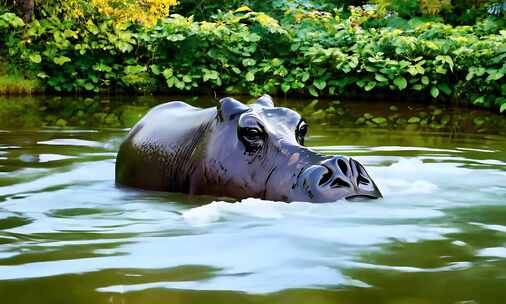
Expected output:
(68, 235)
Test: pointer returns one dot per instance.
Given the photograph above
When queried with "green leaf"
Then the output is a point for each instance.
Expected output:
(155, 69)
(248, 62)
(434, 92)
(371, 69)
(415, 69)
(14, 20)
(479, 100)
(313, 92)
(379, 120)
(61, 60)
(440, 69)
(305, 76)
(35, 58)
(69, 33)
(89, 86)
(469, 75)
(173, 38)
(134, 69)
(250, 76)
(445, 88)
(187, 78)
(42, 75)
(425, 80)
(494, 75)
(380, 77)
(243, 8)
(401, 83)
(285, 87)
(102, 67)
(167, 73)
(502, 108)
(171, 81)
(370, 85)
(210, 74)
(320, 84)
(414, 120)
(179, 84)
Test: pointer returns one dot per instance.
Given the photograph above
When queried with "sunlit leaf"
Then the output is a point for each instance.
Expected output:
(320, 84)
(400, 82)
(35, 58)
(434, 91)
(61, 60)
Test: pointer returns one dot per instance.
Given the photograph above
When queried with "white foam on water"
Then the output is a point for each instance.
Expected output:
(499, 228)
(459, 243)
(262, 209)
(71, 142)
(248, 207)
(455, 266)
(203, 215)
(44, 158)
(476, 150)
(401, 186)
(499, 252)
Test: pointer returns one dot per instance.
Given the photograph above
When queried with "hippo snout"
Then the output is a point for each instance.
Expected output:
(337, 178)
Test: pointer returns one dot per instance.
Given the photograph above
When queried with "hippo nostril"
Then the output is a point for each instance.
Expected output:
(325, 177)
(362, 180)
(343, 166)
(339, 183)
(330, 177)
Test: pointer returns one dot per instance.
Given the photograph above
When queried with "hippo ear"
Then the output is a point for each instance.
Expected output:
(265, 101)
(230, 107)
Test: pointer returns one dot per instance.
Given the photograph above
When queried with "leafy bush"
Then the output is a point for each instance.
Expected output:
(311, 53)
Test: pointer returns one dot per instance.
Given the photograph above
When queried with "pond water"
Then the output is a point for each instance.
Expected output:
(68, 235)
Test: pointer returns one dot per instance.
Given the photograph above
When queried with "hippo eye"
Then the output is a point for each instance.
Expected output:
(251, 134)
(252, 138)
(301, 133)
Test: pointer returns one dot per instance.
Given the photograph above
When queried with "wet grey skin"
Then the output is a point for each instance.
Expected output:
(235, 150)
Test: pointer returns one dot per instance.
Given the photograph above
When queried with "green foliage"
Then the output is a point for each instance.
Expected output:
(10, 20)
(12, 83)
(205, 10)
(461, 12)
(404, 8)
(309, 52)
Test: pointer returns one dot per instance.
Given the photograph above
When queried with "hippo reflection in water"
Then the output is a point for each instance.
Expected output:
(235, 150)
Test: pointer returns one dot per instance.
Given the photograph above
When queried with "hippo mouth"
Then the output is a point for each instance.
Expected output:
(338, 178)
(361, 197)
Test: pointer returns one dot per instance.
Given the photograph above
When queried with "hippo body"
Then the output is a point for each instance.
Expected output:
(237, 151)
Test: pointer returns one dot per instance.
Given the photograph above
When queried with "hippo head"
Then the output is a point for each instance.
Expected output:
(258, 151)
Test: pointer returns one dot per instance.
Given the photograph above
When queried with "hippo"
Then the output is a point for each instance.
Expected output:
(238, 151)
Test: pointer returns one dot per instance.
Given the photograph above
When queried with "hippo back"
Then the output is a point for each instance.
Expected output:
(160, 150)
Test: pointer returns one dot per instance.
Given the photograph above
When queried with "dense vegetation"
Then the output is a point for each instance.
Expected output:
(292, 47)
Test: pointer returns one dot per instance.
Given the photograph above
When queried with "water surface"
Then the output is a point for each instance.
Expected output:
(69, 235)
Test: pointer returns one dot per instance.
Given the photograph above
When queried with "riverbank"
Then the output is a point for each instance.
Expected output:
(309, 53)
